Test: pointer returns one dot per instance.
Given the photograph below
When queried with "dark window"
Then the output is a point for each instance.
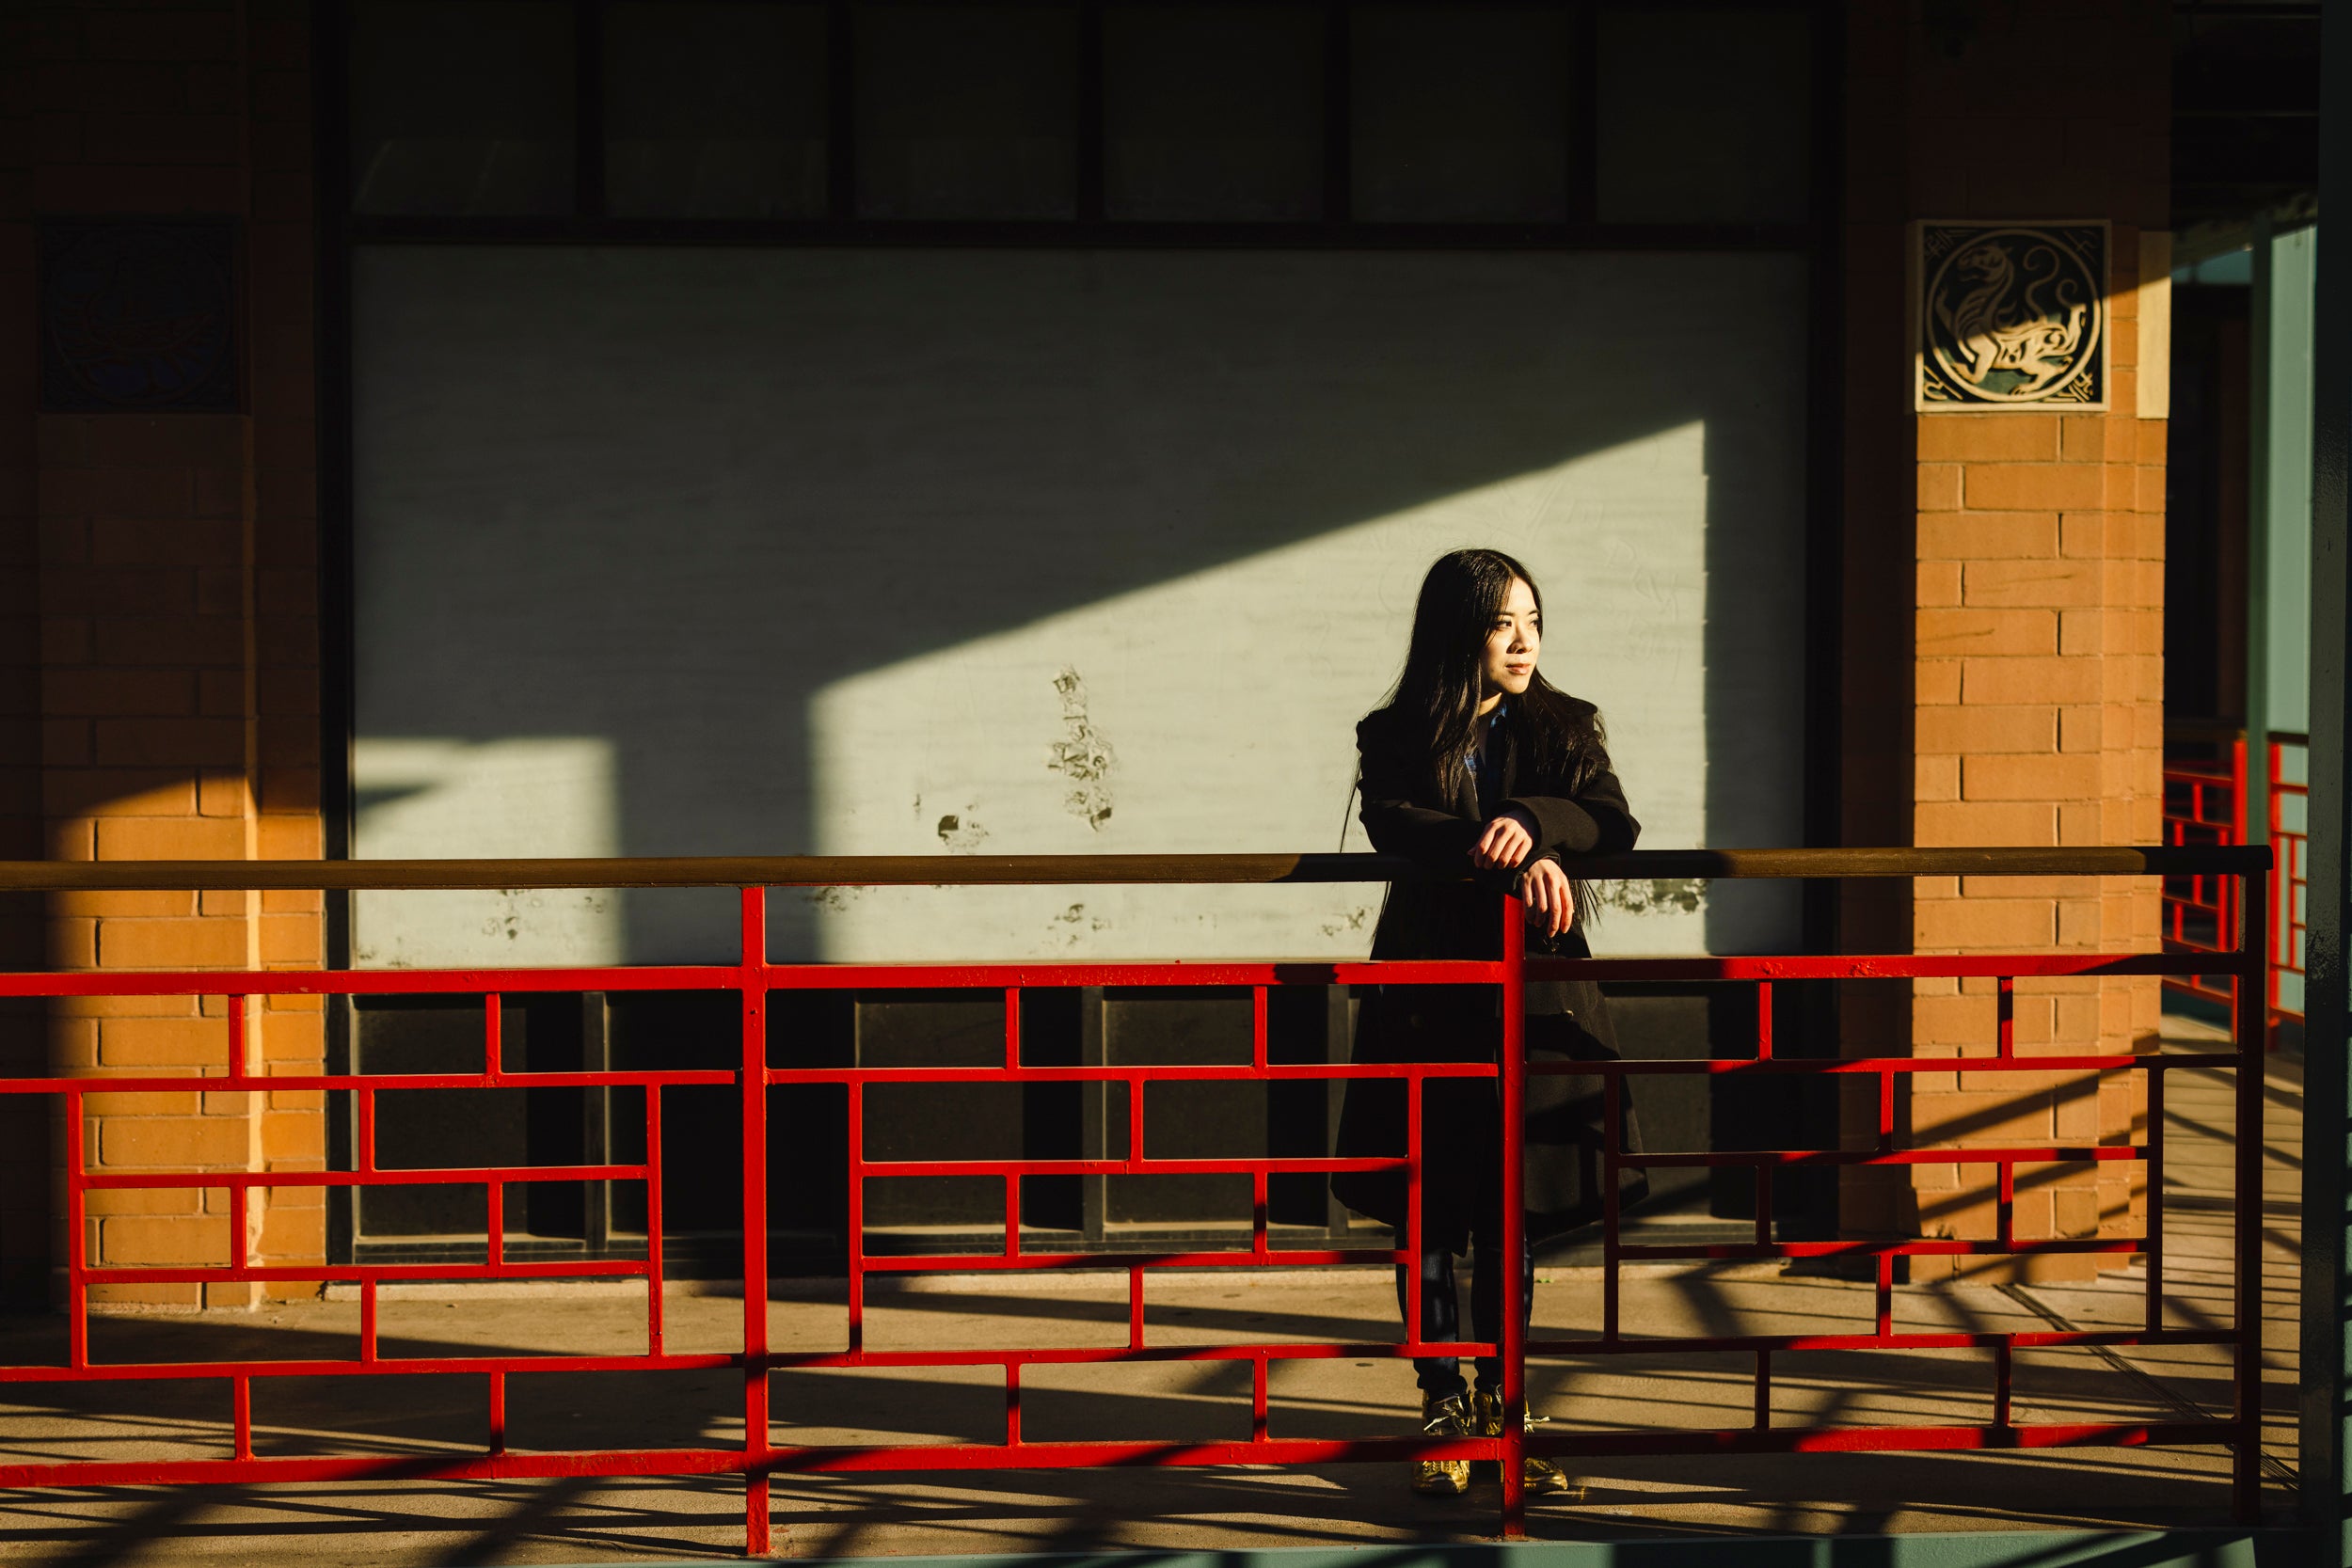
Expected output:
(1704, 116)
(714, 109)
(967, 111)
(1461, 114)
(1579, 118)
(1212, 112)
(460, 109)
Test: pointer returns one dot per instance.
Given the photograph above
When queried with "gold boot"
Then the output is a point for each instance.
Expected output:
(1442, 1417)
(1536, 1475)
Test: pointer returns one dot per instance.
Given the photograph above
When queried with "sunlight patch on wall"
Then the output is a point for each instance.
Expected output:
(1216, 712)
(547, 796)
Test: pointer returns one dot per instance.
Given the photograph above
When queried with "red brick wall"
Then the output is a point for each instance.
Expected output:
(173, 678)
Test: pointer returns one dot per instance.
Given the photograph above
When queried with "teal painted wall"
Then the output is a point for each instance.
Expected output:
(2285, 520)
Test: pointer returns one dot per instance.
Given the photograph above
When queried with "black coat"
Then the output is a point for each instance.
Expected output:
(1566, 1019)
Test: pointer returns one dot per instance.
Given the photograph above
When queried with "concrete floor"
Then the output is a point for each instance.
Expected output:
(418, 1522)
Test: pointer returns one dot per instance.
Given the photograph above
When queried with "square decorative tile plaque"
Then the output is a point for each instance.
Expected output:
(2010, 316)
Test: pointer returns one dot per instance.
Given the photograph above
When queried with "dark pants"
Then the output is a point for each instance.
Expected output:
(1441, 1314)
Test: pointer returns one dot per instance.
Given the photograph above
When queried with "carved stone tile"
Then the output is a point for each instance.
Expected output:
(2010, 315)
(138, 315)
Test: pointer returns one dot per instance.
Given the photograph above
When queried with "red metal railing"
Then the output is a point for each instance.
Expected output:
(753, 977)
(2204, 803)
(2290, 805)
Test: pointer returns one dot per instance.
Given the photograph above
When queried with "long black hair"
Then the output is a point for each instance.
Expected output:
(1559, 739)
(1444, 679)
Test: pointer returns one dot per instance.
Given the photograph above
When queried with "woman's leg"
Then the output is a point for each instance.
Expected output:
(1445, 1402)
(1537, 1475)
(1486, 1295)
(1441, 1317)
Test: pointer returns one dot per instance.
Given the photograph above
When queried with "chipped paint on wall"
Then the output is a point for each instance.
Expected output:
(1235, 716)
(959, 834)
(1081, 755)
(1655, 896)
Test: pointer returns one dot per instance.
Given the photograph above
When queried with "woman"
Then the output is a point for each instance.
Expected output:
(1478, 767)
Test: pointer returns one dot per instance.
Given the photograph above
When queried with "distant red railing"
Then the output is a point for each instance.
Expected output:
(753, 977)
(2205, 803)
(2290, 805)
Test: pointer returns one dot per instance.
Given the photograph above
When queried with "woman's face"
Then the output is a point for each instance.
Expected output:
(1513, 642)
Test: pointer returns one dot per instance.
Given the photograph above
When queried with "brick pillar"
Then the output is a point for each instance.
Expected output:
(23, 1131)
(2039, 641)
(177, 602)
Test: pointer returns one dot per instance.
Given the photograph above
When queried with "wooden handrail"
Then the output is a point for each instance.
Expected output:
(1073, 870)
(2221, 732)
(2209, 732)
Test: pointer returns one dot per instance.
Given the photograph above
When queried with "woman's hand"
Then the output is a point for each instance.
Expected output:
(1505, 842)
(1543, 887)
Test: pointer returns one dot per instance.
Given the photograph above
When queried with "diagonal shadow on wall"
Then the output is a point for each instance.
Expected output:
(670, 499)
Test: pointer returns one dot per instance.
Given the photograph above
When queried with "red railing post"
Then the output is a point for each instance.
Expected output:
(77, 1232)
(2282, 930)
(655, 1342)
(1513, 1064)
(1408, 1255)
(2238, 784)
(753, 979)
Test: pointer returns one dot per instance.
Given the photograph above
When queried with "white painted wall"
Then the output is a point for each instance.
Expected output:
(535, 795)
(812, 550)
